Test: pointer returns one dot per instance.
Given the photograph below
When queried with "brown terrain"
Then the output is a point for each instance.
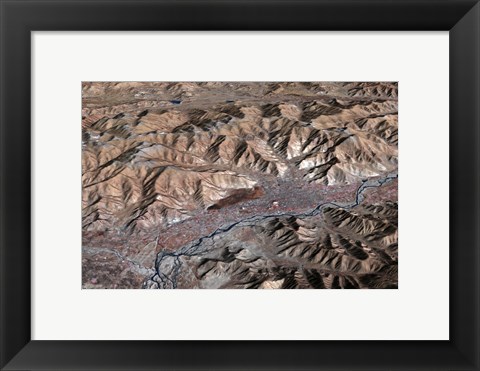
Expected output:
(239, 185)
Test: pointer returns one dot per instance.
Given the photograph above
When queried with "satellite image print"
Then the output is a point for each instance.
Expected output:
(239, 185)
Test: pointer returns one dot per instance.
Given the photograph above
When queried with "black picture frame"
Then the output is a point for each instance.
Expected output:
(19, 18)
